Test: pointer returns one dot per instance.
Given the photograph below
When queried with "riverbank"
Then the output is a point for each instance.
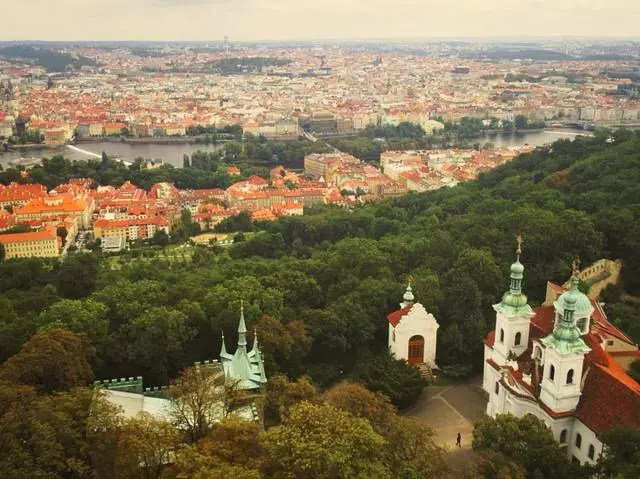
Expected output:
(160, 140)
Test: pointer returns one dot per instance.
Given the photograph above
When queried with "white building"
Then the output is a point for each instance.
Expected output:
(552, 362)
(413, 332)
(245, 367)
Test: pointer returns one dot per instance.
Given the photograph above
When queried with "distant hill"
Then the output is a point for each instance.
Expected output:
(51, 60)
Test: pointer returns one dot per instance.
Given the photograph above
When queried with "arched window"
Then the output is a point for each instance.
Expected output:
(518, 339)
(578, 440)
(563, 436)
(592, 451)
(552, 372)
(502, 335)
(497, 388)
(570, 376)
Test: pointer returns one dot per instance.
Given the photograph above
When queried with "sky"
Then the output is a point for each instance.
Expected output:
(248, 20)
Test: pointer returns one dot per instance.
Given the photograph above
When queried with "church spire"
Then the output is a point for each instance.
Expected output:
(242, 329)
(517, 270)
(255, 340)
(223, 348)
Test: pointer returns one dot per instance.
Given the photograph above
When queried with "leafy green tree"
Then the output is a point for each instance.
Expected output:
(160, 238)
(323, 442)
(52, 360)
(77, 276)
(233, 448)
(401, 382)
(621, 455)
(88, 316)
(282, 394)
(527, 441)
(3, 252)
(156, 341)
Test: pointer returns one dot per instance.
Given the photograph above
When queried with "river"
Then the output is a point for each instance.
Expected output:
(173, 153)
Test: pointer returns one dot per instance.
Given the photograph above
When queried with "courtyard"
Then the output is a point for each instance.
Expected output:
(450, 410)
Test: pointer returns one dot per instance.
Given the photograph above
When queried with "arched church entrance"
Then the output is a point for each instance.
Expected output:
(416, 350)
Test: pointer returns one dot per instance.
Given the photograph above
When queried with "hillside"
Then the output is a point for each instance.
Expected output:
(326, 281)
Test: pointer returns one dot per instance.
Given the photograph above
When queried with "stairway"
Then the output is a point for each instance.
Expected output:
(425, 371)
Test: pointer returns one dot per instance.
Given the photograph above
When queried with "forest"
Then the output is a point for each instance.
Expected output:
(317, 288)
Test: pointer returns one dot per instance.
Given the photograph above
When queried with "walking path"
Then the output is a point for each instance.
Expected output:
(450, 410)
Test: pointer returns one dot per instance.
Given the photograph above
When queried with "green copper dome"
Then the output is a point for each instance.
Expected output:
(565, 337)
(514, 300)
(575, 299)
(517, 268)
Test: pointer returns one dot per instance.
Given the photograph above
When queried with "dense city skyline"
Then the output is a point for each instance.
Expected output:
(250, 20)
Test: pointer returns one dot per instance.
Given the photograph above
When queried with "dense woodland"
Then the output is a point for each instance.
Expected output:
(317, 288)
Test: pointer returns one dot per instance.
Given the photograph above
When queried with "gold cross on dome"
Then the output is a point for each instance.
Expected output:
(519, 240)
(575, 266)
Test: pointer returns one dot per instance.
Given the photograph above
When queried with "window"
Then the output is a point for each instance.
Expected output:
(502, 335)
(497, 388)
(578, 440)
(552, 372)
(592, 451)
(570, 376)
(518, 339)
(563, 436)
(609, 342)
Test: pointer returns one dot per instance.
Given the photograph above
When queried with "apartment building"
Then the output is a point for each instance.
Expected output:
(34, 244)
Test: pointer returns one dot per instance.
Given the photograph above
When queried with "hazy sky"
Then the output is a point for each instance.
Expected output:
(320, 19)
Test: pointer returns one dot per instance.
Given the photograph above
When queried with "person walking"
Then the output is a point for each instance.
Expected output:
(459, 440)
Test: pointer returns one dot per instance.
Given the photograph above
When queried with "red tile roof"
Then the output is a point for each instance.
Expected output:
(395, 317)
(46, 234)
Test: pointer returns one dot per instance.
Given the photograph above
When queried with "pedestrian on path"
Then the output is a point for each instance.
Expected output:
(459, 440)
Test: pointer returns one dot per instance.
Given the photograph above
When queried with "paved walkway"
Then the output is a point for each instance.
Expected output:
(450, 410)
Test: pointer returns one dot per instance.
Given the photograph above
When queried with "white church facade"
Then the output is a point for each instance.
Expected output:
(552, 362)
(413, 332)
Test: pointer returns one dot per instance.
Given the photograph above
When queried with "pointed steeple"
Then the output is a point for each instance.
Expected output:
(223, 348)
(242, 329)
(255, 340)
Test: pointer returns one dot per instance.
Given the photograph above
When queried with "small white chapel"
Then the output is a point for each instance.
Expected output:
(413, 332)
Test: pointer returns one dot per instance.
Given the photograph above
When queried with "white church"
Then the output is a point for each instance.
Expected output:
(560, 362)
(413, 333)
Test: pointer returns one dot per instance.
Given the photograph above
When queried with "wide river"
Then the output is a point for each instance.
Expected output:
(173, 153)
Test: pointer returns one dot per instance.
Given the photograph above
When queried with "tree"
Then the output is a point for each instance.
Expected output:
(621, 455)
(186, 163)
(58, 436)
(401, 382)
(233, 447)
(52, 360)
(201, 397)
(88, 316)
(77, 276)
(145, 446)
(323, 442)
(156, 339)
(526, 441)
(160, 238)
(282, 394)
(410, 451)
(489, 464)
(634, 370)
(360, 402)
(2, 252)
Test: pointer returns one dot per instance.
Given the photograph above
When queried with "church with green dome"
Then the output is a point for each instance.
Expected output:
(558, 363)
